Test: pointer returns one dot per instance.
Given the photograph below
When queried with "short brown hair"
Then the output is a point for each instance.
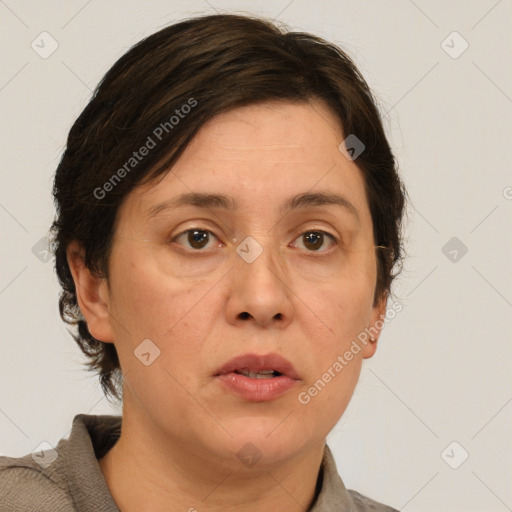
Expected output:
(213, 64)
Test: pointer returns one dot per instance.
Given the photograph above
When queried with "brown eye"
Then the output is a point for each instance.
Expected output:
(198, 238)
(195, 238)
(315, 240)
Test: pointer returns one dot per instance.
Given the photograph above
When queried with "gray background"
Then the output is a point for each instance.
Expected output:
(442, 370)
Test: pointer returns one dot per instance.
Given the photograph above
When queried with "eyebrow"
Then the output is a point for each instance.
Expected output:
(222, 202)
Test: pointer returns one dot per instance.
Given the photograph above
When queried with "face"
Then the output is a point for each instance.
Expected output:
(185, 276)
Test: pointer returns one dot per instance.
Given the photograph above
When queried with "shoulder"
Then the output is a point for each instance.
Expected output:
(64, 478)
(364, 504)
(25, 486)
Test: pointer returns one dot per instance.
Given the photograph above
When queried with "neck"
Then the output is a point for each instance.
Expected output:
(145, 471)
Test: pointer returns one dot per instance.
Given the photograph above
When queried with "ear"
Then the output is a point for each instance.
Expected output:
(92, 294)
(376, 324)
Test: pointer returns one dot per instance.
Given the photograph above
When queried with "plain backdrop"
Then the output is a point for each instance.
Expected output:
(439, 388)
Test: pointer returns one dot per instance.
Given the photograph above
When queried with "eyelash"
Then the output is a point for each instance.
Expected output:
(331, 237)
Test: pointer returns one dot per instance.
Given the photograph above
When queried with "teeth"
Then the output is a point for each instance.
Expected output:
(263, 374)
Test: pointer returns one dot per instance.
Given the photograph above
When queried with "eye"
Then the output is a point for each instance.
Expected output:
(314, 240)
(196, 238)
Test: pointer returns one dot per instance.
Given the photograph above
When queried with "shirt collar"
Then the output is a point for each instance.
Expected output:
(333, 495)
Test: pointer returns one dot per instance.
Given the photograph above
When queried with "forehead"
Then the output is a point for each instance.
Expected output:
(262, 154)
(272, 129)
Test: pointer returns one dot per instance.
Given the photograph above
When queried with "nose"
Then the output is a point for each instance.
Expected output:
(260, 290)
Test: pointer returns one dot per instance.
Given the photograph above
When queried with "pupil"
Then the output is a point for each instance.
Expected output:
(313, 239)
(198, 238)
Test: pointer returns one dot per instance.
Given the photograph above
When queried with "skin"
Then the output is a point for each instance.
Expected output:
(181, 428)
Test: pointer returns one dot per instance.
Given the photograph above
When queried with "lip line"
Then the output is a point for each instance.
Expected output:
(257, 362)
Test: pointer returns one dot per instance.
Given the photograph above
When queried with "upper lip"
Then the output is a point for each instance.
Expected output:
(256, 363)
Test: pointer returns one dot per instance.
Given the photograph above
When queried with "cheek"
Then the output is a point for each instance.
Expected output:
(150, 304)
(340, 306)
(176, 315)
(342, 309)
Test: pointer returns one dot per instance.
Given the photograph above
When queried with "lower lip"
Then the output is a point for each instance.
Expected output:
(257, 390)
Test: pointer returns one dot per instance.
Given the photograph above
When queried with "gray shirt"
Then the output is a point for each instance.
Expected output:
(69, 478)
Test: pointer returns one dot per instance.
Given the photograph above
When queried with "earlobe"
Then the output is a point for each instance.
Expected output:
(375, 327)
(91, 293)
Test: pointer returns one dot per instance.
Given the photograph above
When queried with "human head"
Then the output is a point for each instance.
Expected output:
(170, 85)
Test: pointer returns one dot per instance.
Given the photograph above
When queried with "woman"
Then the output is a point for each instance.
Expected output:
(228, 223)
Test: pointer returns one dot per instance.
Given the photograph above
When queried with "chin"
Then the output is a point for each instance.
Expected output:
(271, 436)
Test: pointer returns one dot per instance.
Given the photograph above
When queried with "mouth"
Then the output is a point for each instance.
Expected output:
(258, 378)
(254, 366)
